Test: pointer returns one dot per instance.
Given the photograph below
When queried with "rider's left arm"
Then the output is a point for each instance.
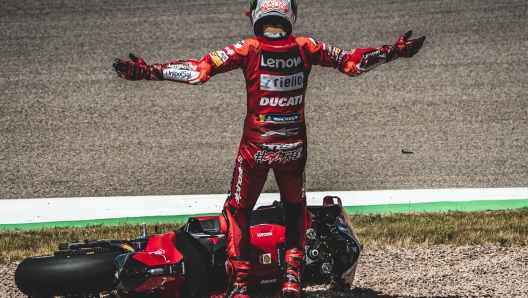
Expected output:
(359, 61)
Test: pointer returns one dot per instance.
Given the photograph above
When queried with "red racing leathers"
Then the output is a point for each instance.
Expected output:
(276, 70)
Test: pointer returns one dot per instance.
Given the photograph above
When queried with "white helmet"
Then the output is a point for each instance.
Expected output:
(261, 11)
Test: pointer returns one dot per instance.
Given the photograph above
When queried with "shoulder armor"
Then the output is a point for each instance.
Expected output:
(242, 47)
(313, 45)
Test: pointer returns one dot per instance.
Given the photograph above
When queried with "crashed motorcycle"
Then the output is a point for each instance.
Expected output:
(190, 261)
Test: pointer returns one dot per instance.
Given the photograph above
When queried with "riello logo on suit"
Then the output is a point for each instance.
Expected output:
(282, 83)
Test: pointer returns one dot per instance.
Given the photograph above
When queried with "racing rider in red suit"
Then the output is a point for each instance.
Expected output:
(276, 66)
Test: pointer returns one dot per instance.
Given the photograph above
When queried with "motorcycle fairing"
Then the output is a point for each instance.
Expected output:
(267, 244)
(166, 255)
(160, 250)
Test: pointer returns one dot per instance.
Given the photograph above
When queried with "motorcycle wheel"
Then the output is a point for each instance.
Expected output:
(66, 275)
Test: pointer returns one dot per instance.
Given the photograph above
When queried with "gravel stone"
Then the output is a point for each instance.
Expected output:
(438, 271)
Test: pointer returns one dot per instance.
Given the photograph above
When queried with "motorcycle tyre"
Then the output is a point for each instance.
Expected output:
(66, 275)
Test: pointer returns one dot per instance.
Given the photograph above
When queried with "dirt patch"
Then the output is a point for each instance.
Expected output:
(471, 271)
(440, 271)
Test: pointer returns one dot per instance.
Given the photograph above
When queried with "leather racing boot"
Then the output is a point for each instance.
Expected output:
(237, 269)
(294, 262)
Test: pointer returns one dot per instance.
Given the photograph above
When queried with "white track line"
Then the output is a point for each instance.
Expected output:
(19, 211)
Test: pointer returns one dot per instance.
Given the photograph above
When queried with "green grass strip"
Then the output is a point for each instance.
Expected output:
(371, 209)
(439, 207)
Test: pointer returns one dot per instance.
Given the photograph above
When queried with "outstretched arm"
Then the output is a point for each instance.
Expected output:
(184, 71)
(360, 61)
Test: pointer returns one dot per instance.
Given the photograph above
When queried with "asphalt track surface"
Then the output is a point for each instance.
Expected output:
(69, 127)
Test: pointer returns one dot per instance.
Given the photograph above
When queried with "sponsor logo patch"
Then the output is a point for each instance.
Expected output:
(268, 281)
(281, 101)
(239, 180)
(288, 132)
(282, 83)
(266, 259)
(280, 118)
(335, 53)
(216, 59)
(282, 62)
(274, 5)
(222, 55)
(371, 60)
(280, 156)
(239, 44)
(229, 51)
(273, 146)
(371, 53)
(178, 74)
(160, 252)
(178, 66)
(264, 234)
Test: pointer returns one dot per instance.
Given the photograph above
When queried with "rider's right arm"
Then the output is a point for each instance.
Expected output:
(200, 71)
(187, 71)
(184, 71)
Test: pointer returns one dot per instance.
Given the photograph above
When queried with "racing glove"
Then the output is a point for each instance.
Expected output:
(405, 47)
(137, 69)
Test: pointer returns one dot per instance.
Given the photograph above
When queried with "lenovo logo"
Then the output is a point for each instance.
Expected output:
(281, 62)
